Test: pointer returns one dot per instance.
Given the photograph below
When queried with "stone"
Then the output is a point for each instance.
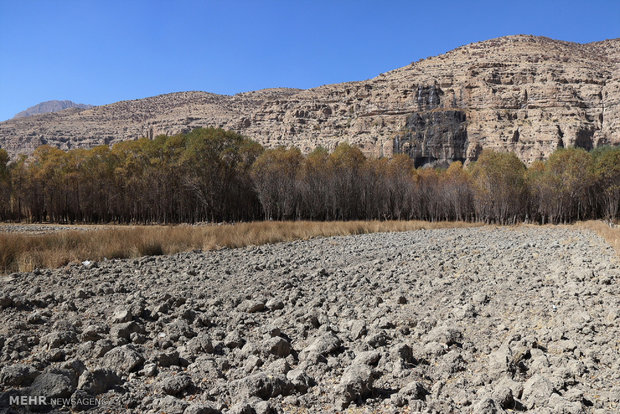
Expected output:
(83, 401)
(355, 384)
(358, 329)
(234, 340)
(242, 407)
(58, 339)
(536, 390)
(149, 370)
(402, 352)
(274, 304)
(170, 405)
(18, 375)
(123, 359)
(413, 391)
(277, 346)
(201, 408)
(487, 406)
(54, 384)
(167, 358)
(121, 315)
(300, 380)
(261, 385)
(98, 381)
(125, 329)
(325, 344)
(176, 384)
(251, 306)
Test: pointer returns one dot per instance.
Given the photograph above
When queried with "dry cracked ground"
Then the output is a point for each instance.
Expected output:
(479, 320)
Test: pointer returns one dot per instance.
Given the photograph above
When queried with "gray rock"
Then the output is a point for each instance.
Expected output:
(325, 344)
(149, 370)
(121, 314)
(355, 385)
(277, 346)
(18, 375)
(487, 406)
(124, 330)
(234, 340)
(274, 304)
(367, 358)
(170, 405)
(98, 381)
(446, 335)
(251, 306)
(504, 397)
(53, 384)
(58, 339)
(176, 384)
(242, 407)
(202, 408)
(358, 329)
(402, 352)
(261, 385)
(167, 358)
(414, 390)
(123, 359)
(536, 390)
(83, 401)
(300, 380)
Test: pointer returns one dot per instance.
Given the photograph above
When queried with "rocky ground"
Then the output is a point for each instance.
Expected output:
(477, 320)
(39, 228)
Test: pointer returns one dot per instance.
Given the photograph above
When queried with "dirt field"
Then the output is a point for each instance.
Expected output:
(475, 320)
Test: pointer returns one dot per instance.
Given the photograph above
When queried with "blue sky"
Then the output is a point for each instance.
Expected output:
(100, 52)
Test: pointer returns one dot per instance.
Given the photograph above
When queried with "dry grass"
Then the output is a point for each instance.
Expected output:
(610, 234)
(25, 252)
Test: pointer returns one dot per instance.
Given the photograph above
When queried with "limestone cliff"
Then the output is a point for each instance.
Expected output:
(519, 93)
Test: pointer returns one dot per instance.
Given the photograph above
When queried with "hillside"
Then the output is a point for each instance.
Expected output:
(520, 93)
(49, 106)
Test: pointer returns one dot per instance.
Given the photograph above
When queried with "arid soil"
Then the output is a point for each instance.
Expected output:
(478, 320)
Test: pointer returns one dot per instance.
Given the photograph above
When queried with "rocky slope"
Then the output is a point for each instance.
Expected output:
(439, 321)
(50, 106)
(521, 93)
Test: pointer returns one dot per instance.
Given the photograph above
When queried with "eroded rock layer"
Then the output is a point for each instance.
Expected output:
(521, 93)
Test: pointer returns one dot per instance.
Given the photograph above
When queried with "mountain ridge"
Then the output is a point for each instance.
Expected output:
(48, 107)
(518, 93)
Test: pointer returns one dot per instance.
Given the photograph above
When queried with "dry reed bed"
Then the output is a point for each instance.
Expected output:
(610, 234)
(25, 252)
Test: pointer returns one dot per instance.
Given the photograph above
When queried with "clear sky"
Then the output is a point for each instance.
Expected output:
(100, 52)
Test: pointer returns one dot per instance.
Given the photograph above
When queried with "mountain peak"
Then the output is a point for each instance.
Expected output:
(50, 106)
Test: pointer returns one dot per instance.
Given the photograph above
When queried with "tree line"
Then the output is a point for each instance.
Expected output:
(215, 175)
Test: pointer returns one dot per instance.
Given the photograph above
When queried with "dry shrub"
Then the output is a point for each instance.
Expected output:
(607, 232)
(25, 252)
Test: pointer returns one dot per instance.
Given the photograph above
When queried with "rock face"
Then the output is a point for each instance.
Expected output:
(49, 106)
(521, 93)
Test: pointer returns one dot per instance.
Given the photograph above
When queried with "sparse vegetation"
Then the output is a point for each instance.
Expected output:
(25, 252)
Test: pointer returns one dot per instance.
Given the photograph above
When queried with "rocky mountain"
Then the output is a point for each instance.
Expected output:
(50, 106)
(520, 93)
